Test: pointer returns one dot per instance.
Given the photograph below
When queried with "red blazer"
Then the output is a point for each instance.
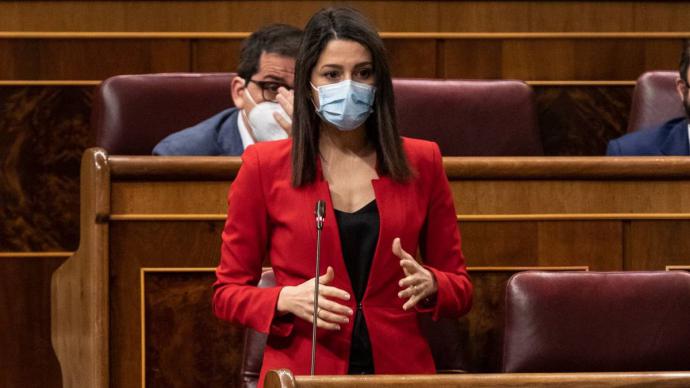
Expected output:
(267, 216)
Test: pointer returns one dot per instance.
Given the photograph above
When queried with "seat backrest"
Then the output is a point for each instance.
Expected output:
(132, 113)
(254, 344)
(470, 117)
(655, 100)
(597, 322)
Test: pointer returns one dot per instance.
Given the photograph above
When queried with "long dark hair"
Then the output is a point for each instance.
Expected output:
(381, 126)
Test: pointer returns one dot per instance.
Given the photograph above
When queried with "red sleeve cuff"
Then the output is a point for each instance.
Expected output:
(438, 299)
(279, 325)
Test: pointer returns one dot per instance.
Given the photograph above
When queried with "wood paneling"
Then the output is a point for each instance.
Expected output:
(413, 58)
(528, 58)
(388, 15)
(149, 244)
(43, 132)
(27, 358)
(139, 198)
(580, 120)
(558, 59)
(185, 344)
(90, 59)
(212, 55)
(656, 244)
(597, 244)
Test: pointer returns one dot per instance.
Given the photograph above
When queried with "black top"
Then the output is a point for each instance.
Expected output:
(359, 233)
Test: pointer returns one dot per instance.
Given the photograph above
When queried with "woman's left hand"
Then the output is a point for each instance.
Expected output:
(418, 283)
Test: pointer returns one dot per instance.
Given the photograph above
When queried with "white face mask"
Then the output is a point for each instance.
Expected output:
(264, 125)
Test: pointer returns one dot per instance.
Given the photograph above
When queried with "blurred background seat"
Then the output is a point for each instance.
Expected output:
(655, 100)
(132, 113)
(470, 117)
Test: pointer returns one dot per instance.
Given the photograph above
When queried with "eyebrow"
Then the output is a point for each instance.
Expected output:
(340, 67)
(274, 78)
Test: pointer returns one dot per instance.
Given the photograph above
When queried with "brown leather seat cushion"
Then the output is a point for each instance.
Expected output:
(655, 100)
(470, 118)
(597, 321)
(132, 113)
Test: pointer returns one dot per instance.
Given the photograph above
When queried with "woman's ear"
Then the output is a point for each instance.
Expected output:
(237, 89)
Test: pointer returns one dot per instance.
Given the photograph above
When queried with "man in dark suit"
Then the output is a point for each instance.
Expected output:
(669, 139)
(261, 92)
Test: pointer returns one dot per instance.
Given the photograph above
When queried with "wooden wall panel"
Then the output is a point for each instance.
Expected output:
(524, 58)
(596, 244)
(90, 59)
(185, 344)
(660, 15)
(580, 120)
(388, 15)
(414, 58)
(516, 243)
(43, 132)
(130, 250)
(27, 358)
(656, 244)
(568, 59)
(472, 59)
(215, 55)
(161, 197)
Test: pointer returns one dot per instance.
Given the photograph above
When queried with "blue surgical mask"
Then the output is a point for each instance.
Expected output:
(346, 104)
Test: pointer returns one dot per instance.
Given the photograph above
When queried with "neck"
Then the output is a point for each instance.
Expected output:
(333, 139)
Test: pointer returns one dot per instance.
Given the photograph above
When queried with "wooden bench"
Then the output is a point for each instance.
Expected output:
(132, 305)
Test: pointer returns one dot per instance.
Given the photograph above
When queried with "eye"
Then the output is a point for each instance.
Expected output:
(365, 73)
(271, 86)
(331, 74)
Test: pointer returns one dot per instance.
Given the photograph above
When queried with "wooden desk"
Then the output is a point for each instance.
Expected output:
(133, 304)
(283, 378)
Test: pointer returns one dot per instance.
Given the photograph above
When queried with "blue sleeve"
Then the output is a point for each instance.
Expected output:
(197, 140)
(613, 148)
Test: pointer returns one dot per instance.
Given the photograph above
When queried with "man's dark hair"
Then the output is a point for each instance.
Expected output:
(685, 61)
(280, 39)
(381, 127)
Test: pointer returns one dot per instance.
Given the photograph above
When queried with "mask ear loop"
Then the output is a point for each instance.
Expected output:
(311, 98)
(249, 94)
(244, 111)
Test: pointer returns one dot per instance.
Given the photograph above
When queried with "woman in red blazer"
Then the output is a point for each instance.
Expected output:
(385, 196)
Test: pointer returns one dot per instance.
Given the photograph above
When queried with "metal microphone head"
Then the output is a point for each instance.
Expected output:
(320, 213)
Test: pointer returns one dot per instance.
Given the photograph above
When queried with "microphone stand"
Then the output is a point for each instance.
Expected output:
(320, 213)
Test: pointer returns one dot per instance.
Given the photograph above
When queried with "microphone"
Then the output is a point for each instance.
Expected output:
(320, 214)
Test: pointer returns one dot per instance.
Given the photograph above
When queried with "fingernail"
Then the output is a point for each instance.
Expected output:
(399, 294)
(337, 327)
(349, 312)
(347, 296)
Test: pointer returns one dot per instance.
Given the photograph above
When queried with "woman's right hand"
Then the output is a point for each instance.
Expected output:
(299, 300)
